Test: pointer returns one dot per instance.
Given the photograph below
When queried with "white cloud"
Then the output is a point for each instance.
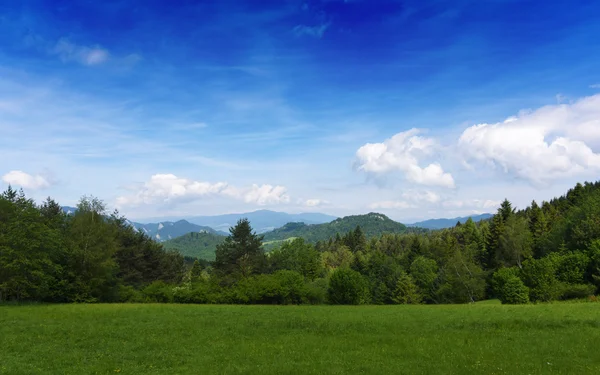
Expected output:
(168, 188)
(68, 51)
(25, 180)
(421, 196)
(595, 86)
(473, 204)
(315, 202)
(314, 31)
(399, 205)
(549, 143)
(401, 153)
(265, 194)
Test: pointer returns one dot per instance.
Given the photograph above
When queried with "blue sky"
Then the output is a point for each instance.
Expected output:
(416, 109)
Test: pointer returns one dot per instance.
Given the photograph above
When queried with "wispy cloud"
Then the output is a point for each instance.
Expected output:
(86, 55)
(314, 31)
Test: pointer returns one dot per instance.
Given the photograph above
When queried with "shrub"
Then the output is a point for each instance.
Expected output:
(315, 292)
(347, 287)
(500, 278)
(127, 293)
(539, 276)
(514, 292)
(283, 287)
(575, 291)
(158, 291)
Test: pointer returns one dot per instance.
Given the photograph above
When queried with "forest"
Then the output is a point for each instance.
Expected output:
(545, 252)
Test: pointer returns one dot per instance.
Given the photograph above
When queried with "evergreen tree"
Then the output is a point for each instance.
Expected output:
(241, 254)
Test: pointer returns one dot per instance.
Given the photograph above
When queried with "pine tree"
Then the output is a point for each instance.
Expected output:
(241, 254)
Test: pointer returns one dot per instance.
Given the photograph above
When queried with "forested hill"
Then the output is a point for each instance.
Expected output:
(199, 245)
(372, 225)
(449, 223)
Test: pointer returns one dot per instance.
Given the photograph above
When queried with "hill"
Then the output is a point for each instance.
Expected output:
(448, 223)
(262, 220)
(168, 230)
(196, 245)
(372, 224)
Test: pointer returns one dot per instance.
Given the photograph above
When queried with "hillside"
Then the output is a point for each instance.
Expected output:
(448, 223)
(168, 230)
(196, 245)
(372, 224)
(262, 220)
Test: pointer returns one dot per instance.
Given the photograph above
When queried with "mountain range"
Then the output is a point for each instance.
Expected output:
(448, 223)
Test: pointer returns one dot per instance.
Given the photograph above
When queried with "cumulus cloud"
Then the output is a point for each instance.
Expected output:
(401, 153)
(168, 188)
(26, 180)
(540, 146)
(68, 51)
(265, 194)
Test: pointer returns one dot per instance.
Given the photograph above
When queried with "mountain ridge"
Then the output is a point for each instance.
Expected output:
(443, 223)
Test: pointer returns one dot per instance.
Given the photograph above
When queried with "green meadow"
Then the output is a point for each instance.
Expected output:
(484, 338)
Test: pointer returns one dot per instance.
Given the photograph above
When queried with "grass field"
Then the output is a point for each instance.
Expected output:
(196, 339)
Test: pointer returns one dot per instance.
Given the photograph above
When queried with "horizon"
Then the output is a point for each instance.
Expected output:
(416, 110)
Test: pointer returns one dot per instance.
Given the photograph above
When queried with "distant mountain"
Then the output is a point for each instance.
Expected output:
(197, 245)
(69, 210)
(372, 224)
(168, 230)
(262, 221)
(448, 223)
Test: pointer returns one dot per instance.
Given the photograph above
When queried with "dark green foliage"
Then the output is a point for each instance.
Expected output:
(348, 287)
(576, 291)
(509, 288)
(46, 255)
(406, 291)
(424, 274)
(514, 292)
(296, 255)
(542, 253)
(540, 276)
(241, 255)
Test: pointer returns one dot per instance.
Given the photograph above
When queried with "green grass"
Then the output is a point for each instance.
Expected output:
(196, 339)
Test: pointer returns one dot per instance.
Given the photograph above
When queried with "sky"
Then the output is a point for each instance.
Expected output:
(415, 109)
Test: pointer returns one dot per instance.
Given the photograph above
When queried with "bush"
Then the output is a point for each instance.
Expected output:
(127, 293)
(315, 292)
(575, 291)
(514, 292)
(500, 278)
(282, 288)
(348, 287)
(540, 276)
(158, 291)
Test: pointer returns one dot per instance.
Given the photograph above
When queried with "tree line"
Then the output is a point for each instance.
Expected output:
(544, 252)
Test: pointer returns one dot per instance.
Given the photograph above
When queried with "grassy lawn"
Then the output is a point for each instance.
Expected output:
(196, 339)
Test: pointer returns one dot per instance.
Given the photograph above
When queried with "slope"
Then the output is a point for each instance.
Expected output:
(448, 223)
(372, 224)
(196, 245)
